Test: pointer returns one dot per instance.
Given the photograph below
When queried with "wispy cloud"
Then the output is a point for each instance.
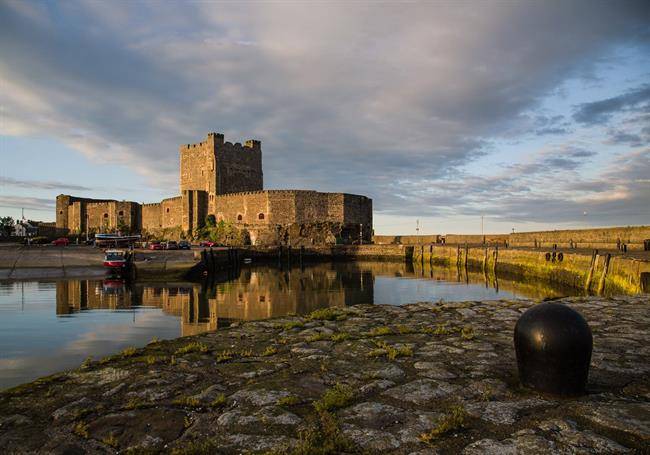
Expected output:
(33, 203)
(41, 185)
(601, 111)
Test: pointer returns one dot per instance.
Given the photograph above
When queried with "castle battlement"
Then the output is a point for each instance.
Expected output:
(224, 179)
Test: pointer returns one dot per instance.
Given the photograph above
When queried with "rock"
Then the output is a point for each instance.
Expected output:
(630, 418)
(421, 391)
(72, 410)
(14, 420)
(259, 397)
(370, 439)
(374, 415)
(391, 372)
(523, 444)
(567, 436)
(433, 370)
(502, 412)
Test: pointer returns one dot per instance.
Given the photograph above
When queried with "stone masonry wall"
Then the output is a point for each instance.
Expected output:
(151, 216)
(172, 212)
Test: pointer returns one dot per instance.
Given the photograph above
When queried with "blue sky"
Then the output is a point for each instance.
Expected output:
(534, 115)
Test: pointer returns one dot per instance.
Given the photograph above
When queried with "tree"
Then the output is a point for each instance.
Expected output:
(6, 226)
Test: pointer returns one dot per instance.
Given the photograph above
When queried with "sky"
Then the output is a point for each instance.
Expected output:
(528, 115)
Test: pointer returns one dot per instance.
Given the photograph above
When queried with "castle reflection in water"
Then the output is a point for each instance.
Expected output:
(262, 292)
(253, 293)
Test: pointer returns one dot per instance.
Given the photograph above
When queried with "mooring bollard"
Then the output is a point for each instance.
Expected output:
(553, 344)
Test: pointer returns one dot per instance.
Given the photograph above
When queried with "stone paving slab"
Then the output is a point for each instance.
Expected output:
(418, 379)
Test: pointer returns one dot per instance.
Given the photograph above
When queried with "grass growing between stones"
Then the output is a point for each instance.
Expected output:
(380, 331)
(337, 397)
(288, 401)
(270, 350)
(194, 346)
(324, 437)
(391, 352)
(327, 314)
(110, 440)
(452, 421)
(81, 430)
(219, 401)
(188, 402)
(467, 333)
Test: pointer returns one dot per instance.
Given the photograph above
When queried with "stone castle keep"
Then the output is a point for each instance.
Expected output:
(226, 180)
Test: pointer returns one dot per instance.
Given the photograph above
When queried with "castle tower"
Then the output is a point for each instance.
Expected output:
(217, 167)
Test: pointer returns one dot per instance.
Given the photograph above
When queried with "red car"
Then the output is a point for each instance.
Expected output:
(208, 243)
(156, 246)
(61, 242)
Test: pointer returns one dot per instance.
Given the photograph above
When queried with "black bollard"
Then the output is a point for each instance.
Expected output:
(553, 344)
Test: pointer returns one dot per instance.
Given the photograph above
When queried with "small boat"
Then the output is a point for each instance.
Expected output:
(115, 240)
(116, 259)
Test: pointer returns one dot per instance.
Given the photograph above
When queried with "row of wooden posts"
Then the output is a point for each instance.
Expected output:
(592, 268)
(210, 258)
(462, 259)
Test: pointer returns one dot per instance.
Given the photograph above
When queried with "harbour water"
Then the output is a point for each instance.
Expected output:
(49, 326)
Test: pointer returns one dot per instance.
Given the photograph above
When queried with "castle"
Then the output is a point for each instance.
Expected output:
(225, 180)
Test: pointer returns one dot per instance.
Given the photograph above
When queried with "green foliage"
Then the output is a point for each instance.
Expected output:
(380, 331)
(327, 314)
(270, 350)
(288, 401)
(391, 352)
(452, 421)
(219, 401)
(323, 438)
(194, 346)
(337, 397)
(224, 233)
(6, 225)
(188, 402)
(81, 430)
(210, 221)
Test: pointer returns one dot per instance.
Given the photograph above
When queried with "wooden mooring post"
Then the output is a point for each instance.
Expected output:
(590, 275)
(458, 255)
(466, 254)
(496, 258)
(603, 276)
(485, 260)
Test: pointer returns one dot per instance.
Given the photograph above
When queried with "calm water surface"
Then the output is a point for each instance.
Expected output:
(47, 327)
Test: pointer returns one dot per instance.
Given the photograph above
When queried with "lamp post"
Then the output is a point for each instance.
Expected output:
(361, 234)
(417, 230)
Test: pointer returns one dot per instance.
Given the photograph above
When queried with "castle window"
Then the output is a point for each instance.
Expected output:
(260, 216)
(105, 215)
(60, 212)
(262, 298)
(167, 210)
(240, 217)
(121, 213)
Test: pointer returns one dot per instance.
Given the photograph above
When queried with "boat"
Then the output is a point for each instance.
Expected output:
(116, 259)
(115, 240)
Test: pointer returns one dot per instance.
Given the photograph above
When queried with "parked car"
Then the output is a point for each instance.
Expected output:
(184, 245)
(208, 243)
(62, 241)
(171, 245)
(155, 245)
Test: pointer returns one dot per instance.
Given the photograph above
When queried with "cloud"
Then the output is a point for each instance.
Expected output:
(598, 112)
(42, 185)
(34, 203)
(392, 101)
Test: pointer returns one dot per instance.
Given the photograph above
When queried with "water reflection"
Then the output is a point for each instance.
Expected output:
(252, 293)
(50, 326)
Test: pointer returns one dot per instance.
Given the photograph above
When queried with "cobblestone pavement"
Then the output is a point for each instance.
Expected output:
(418, 379)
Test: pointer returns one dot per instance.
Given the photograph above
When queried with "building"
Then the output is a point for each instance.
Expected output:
(226, 180)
